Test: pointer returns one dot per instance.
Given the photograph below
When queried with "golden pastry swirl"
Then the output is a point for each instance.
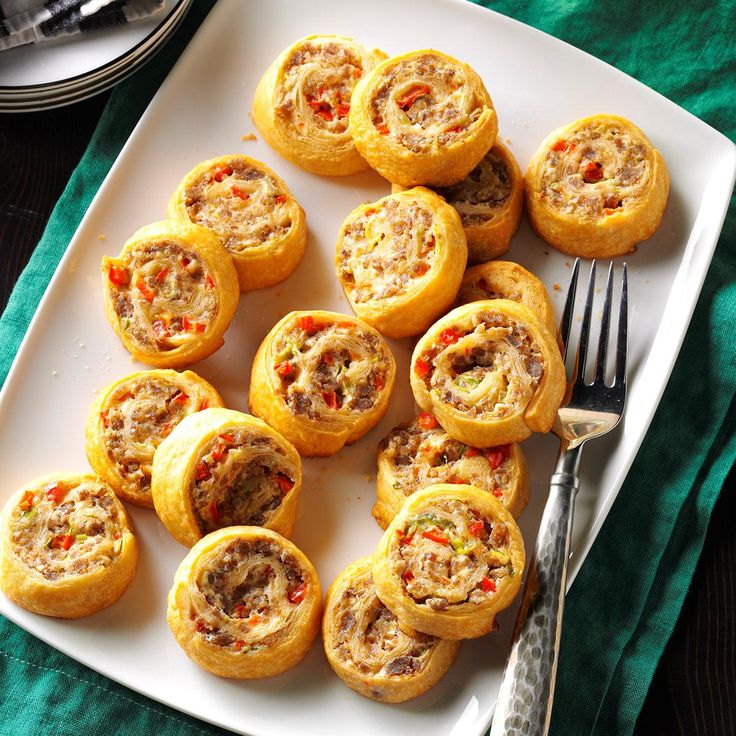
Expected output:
(250, 208)
(508, 280)
(321, 379)
(222, 468)
(490, 372)
(129, 420)
(400, 261)
(302, 102)
(451, 559)
(66, 548)
(422, 118)
(596, 187)
(421, 453)
(170, 294)
(369, 651)
(245, 603)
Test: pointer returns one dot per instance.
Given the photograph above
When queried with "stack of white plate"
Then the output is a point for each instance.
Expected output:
(59, 72)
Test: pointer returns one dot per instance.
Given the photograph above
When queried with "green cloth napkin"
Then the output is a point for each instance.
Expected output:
(626, 599)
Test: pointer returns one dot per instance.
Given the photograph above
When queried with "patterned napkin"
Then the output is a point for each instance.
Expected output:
(626, 599)
(23, 21)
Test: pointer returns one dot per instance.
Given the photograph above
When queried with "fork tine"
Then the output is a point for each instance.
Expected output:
(566, 320)
(621, 346)
(600, 365)
(585, 328)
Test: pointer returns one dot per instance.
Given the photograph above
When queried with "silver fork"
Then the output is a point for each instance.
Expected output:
(589, 410)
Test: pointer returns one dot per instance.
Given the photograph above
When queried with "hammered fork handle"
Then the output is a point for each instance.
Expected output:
(524, 703)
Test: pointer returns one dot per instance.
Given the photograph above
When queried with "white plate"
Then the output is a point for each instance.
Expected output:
(44, 66)
(201, 111)
(88, 86)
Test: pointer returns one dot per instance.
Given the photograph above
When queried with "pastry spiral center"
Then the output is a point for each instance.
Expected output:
(239, 478)
(243, 205)
(596, 170)
(137, 417)
(164, 297)
(386, 250)
(314, 96)
(246, 595)
(328, 370)
(61, 530)
(449, 554)
(369, 636)
(424, 102)
(493, 369)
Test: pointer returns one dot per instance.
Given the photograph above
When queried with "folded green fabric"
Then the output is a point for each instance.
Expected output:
(627, 597)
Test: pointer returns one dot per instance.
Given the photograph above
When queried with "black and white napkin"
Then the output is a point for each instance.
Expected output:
(33, 21)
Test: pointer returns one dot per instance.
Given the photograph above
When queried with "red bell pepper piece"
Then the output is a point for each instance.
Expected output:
(488, 585)
(296, 595)
(427, 421)
(54, 492)
(285, 484)
(421, 368)
(220, 172)
(436, 535)
(412, 96)
(119, 275)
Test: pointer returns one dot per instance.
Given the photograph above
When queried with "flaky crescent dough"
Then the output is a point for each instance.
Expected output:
(221, 468)
(369, 651)
(489, 201)
(302, 103)
(490, 372)
(321, 379)
(170, 294)
(451, 559)
(596, 187)
(130, 418)
(422, 118)
(420, 453)
(66, 546)
(508, 280)
(245, 603)
(251, 209)
(400, 260)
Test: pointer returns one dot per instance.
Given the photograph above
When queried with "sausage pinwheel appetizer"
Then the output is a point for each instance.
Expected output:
(302, 103)
(489, 201)
(129, 420)
(245, 603)
(66, 548)
(490, 372)
(223, 468)
(400, 261)
(367, 648)
(322, 379)
(423, 118)
(260, 223)
(596, 187)
(170, 294)
(451, 559)
(420, 453)
(508, 280)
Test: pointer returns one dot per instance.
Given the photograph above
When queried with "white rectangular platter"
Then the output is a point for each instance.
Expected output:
(202, 111)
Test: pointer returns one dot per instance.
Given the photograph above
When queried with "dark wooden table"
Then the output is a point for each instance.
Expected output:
(694, 690)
